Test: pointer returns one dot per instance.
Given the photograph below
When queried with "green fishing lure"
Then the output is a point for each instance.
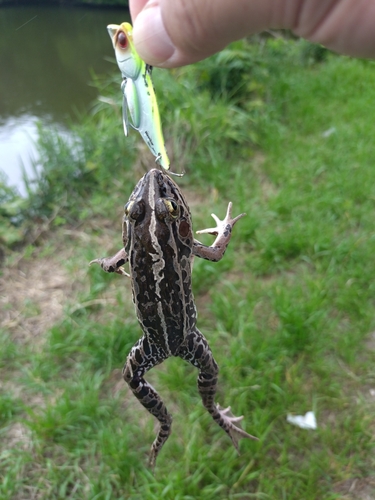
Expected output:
(139, 99)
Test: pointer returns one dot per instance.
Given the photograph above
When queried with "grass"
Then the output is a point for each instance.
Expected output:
(288, 312)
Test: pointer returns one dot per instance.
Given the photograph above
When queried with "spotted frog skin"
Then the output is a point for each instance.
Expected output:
(159, 247)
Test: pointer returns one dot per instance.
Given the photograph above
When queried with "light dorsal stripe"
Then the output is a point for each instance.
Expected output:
(157, 258)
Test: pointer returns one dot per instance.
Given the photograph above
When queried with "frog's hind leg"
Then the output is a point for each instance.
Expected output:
(196, 350)
(142, 358)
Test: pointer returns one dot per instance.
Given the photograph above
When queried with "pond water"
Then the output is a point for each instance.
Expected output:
(47, 56)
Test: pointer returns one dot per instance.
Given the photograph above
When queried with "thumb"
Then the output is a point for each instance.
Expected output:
(172, 33)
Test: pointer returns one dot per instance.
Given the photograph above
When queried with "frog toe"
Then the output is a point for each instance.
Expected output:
(230, 423)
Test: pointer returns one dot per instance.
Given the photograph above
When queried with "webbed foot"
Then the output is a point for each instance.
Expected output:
(228, 422)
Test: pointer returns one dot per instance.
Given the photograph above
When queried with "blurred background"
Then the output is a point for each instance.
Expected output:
(48, 52)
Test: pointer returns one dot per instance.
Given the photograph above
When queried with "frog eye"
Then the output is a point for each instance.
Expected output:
(172, 208)
(122, 40)
(134, 210)
(127, 207)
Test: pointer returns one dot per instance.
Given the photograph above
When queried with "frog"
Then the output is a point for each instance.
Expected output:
(159, 246)
(138, 93)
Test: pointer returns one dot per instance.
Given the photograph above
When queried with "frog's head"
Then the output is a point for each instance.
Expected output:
(157, 210)
(127, 58)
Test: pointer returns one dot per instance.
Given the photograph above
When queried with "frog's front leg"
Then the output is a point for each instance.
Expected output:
(143, 356)
(196, 350)
(223, 232)
(113, 264)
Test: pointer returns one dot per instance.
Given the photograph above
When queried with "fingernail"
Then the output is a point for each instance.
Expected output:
(150, 38)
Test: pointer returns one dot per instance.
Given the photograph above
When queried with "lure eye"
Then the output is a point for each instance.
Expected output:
(122, 40)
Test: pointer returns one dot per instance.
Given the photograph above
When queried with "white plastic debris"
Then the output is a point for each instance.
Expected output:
(307, 421)
(329, 132)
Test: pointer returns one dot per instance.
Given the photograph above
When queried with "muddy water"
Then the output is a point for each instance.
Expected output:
(47, 55)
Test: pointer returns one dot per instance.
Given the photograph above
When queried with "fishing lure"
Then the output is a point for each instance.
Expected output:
(138, 93)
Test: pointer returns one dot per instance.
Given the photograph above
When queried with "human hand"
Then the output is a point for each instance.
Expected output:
(171, 33)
